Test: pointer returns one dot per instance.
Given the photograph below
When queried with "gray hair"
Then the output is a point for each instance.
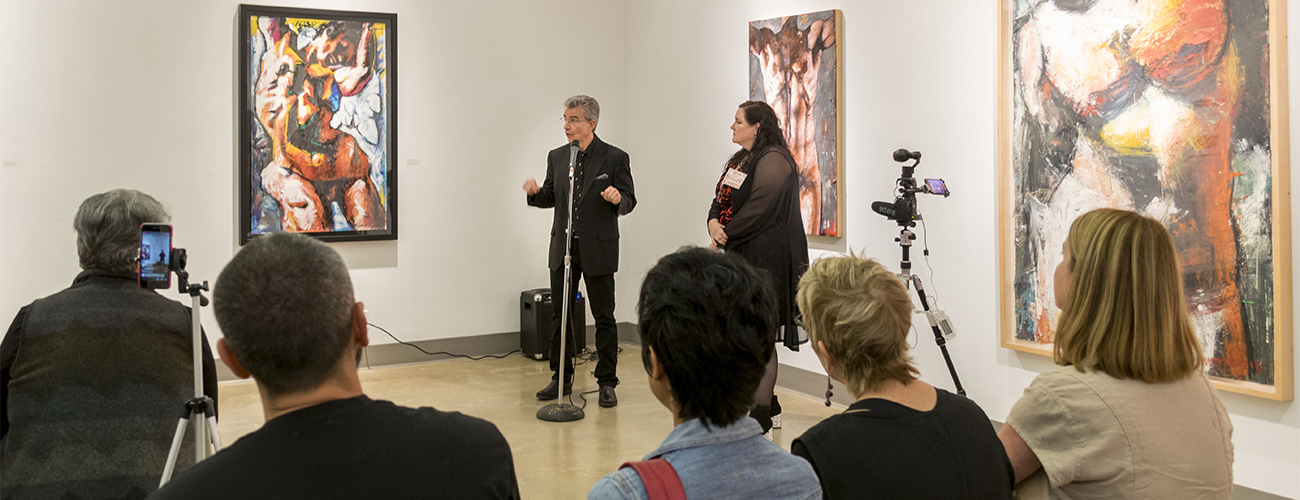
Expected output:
(589, 106)
(108, 228)
(284, 303)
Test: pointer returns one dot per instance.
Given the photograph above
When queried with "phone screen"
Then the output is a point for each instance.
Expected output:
(155, 256)
(937, 186)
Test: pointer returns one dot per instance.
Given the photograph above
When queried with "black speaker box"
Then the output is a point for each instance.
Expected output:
(535, 312)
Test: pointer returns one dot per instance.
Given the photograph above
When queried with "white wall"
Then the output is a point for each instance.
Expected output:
(919, 75)
(99, 95)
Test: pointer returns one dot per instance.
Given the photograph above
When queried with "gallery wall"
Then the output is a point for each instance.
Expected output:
(919, 75)
(100, 95)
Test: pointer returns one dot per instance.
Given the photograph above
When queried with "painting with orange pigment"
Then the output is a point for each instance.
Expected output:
(317, 118)
(1161, 107)
(794, 65)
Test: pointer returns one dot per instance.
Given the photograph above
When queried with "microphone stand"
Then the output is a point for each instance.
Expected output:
(565, 412)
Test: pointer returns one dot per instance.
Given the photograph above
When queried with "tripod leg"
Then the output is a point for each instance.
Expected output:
(200, 439)
(174, 451)
(216, 436)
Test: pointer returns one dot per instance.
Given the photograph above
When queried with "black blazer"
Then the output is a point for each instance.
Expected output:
(597, 221)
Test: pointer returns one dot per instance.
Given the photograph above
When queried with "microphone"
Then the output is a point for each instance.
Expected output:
(904, 155)
(573, 157)
(885, 208)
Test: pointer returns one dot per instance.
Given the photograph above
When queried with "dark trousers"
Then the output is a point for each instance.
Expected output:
(600, 296)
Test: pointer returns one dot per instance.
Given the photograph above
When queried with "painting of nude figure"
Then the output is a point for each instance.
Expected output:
(317, 123)
(794, 65)
(1174, 109)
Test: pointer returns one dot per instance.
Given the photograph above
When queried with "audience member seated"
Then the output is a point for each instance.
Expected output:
(1131, 413)
(903, 438)
(706, 321)
(286, 307)
(93, 378)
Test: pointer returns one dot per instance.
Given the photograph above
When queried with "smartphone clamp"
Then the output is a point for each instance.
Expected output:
(903, 211)
(200, 409)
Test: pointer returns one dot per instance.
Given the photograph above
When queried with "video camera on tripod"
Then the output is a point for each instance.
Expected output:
(903, 211)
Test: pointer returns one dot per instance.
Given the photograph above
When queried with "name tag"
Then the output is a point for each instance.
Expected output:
(734, 178)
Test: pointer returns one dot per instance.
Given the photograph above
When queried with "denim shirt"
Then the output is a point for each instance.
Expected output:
(720, 463)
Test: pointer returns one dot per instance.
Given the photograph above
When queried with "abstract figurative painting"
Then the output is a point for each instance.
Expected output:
(1176, 110)
(317, 118)
(794, 65)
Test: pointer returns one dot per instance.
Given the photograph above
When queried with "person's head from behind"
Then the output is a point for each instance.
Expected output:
(858, 315)
(108, 228)
(706, 320)
(1123, 310)
(285, 305)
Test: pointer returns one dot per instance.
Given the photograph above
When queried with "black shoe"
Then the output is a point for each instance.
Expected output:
(776, 413)
(552, 389)
(763, 414)
(607, 397)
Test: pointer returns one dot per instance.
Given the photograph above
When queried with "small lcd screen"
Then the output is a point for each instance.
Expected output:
(937, 186)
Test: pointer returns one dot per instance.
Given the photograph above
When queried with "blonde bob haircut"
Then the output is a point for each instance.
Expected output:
(862, 313)
(1125, 314)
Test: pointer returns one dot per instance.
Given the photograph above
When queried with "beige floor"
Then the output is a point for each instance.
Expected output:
(552, 460)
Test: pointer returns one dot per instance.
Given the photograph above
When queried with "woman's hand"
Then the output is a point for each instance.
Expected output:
(716, 233)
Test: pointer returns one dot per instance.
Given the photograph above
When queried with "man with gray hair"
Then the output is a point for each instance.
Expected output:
(93, 378)
(603, 191)
(286, 307)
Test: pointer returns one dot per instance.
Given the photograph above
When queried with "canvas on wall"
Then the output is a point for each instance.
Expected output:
(1176, 110)
(318, 122)
(794, 65)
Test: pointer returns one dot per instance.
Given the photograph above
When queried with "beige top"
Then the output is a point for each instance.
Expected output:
(1102, 437)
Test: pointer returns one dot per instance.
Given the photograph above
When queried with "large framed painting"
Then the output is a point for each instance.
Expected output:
(1177, 110)
(317, 123)
(795, 65)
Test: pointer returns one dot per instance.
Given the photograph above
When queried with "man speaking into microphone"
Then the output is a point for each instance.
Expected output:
(603, 191)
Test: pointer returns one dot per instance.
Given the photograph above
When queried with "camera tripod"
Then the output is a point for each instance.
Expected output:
(905, 239)
(200, 409)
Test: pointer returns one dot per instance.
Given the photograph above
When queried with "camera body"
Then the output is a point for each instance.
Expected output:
(903, 209)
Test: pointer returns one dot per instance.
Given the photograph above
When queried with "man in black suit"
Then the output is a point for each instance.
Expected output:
(603, 182)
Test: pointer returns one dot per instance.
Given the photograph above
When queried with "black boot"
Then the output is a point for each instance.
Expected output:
(776, 413)
(763, 414)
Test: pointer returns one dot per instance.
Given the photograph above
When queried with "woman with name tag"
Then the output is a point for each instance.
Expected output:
(755, 214)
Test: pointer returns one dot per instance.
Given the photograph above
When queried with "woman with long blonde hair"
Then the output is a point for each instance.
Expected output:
(1131, 413)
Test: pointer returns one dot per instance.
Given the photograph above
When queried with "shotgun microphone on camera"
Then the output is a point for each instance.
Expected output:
(904, 155)
(885, 208)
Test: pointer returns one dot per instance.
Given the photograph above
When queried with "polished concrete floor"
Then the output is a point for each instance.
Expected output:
(552, 460)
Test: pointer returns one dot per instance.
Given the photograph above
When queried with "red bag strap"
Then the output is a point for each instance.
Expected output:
(660, 479)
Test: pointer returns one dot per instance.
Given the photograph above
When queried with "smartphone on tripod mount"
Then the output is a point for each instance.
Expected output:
(155, 256)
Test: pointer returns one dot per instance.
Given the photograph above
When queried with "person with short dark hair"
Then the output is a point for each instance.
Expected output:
(286, 307)
(902, 438)
(93, 378)
(706, 320)
(603, 192)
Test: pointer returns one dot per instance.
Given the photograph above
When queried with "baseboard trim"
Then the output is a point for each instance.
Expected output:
(790, 378)
(395, 354)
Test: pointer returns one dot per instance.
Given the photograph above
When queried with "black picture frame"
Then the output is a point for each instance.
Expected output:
(329, 155)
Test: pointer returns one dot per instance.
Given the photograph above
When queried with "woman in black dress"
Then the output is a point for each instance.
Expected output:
(755, 214)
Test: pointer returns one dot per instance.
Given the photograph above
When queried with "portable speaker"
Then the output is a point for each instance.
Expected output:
(535, 312)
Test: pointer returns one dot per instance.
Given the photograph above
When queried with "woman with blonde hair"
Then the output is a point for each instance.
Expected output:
(1131, 413)
(903, 438)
